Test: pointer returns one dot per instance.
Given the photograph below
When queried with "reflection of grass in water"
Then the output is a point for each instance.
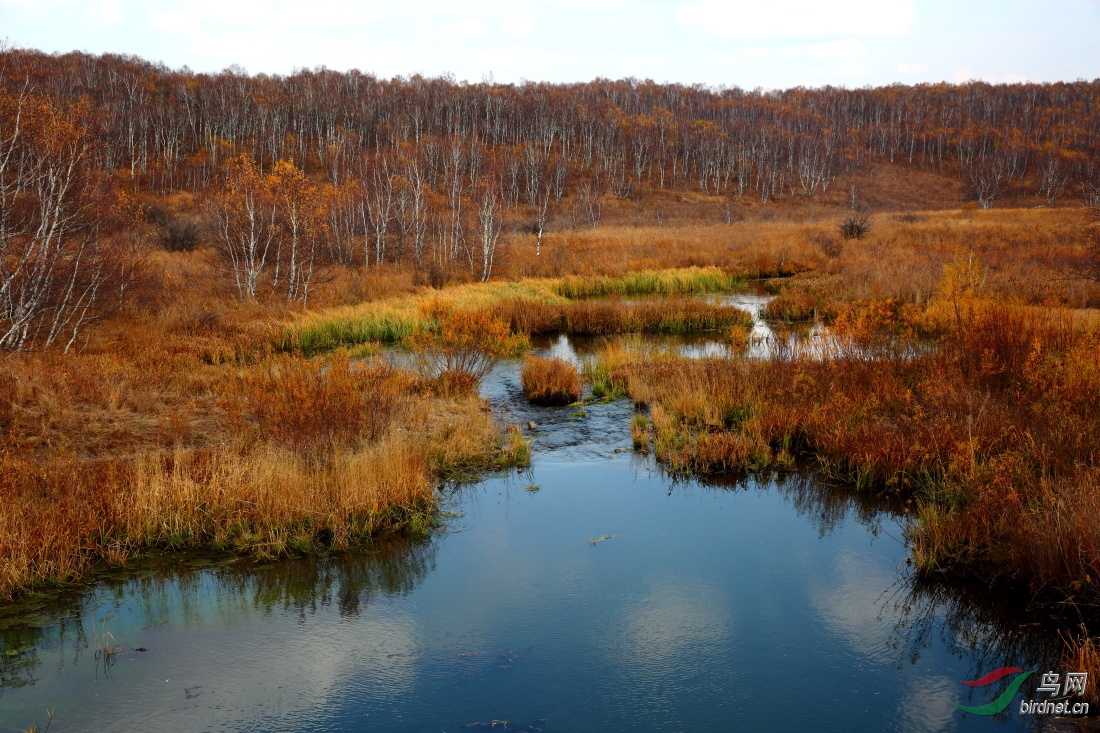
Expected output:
(989, 627)
(167, 585)
(37, 727)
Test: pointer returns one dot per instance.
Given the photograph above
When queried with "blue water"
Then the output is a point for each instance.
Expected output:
(776, 604)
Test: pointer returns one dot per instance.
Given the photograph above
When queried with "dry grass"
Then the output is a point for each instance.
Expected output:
(1082, 654)
(793, 308)
(395, 320)
(318, 405)
(1029, 253)
(993, 435)
(607, 318)
(150, 445)
(267, 494)
(60, 519)
(550, 381)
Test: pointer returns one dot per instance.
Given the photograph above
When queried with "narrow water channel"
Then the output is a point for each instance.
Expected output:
(589, 593)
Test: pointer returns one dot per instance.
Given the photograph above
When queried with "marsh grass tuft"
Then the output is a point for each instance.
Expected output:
(461, 348)
(792, 308)
(550, 381)
(1082, 654)
(639, 433)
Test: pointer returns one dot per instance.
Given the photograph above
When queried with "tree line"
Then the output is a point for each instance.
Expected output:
(323, 168)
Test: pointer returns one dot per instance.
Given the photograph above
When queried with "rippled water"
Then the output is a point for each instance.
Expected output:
(771, 604)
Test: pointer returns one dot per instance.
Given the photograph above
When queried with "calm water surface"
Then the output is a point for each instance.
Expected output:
(771, 604)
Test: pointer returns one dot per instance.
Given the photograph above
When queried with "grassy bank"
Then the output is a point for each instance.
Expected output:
(992, 435)
(393, 320)
(316, 456)
(608, 318)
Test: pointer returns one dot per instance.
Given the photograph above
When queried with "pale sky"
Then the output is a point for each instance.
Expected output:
(775, 44)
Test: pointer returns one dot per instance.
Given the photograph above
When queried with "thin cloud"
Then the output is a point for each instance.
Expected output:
(798, 18)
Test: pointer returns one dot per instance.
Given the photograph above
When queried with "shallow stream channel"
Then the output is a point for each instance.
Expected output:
(590, 592)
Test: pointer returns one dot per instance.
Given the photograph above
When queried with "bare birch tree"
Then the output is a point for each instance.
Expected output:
(245, 226)
(55, 263)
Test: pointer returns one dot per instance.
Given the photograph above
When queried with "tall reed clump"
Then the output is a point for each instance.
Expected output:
(791, 308)
(550, 381)
(1082, 654)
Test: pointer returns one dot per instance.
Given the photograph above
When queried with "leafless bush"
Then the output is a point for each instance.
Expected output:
(857, 222)
(180, 235)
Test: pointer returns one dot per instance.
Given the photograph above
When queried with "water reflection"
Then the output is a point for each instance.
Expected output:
(196, 590)
(824, 504)
(986, 628)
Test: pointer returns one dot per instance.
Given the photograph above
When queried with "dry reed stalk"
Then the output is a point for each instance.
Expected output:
(1082, 654)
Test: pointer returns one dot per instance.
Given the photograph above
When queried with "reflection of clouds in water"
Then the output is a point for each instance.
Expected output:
(675, 623)
(927, 705)
(849, 602)
(761, 333)
(375, 656)
(374, 659)
(287, 674)
(561, 348)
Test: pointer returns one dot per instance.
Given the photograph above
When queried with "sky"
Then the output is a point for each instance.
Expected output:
(766, 43)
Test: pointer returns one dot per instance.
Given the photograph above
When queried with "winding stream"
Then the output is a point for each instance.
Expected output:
(761, 604)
